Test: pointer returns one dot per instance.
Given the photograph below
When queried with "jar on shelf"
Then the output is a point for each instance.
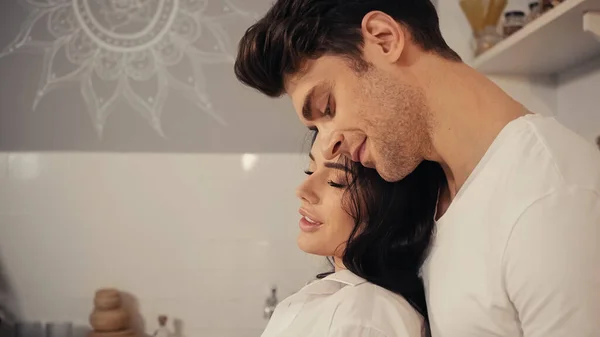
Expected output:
(485, 40)
(535, 10)
(546, 5)
(513, 21)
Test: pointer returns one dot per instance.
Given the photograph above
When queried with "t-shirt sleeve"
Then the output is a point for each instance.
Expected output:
(552, 265)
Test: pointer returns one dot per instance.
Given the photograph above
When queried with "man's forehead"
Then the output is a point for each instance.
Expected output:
(312, 70)
(313, 74)
(299, 86)
(300, 78)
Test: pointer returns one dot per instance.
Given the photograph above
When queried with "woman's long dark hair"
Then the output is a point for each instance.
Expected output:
(394, 226)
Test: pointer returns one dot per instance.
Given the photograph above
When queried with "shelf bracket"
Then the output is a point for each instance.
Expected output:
(591, 23)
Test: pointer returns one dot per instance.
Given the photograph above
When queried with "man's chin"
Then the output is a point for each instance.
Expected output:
(390, 177)
(370, 165)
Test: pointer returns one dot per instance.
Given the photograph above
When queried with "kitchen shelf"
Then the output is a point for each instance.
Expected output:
(550, 44)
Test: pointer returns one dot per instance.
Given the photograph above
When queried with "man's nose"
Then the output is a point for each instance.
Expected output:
(333, 146)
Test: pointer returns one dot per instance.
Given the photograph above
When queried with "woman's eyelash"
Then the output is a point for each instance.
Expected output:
(336, 185)
(330, 182)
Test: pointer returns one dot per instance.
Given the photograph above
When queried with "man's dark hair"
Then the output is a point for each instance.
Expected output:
(294, 31)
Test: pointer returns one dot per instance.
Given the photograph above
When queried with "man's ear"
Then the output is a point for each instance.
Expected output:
(385, 34)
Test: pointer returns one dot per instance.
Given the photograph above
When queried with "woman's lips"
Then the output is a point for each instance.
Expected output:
(308, 223)
(307, 226)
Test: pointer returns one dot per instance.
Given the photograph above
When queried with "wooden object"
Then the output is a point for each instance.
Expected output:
(109, 318)
(494, 12)
(122, 333)
(106, 299)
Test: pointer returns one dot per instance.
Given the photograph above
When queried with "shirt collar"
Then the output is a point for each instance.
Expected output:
(346, 277)
(333, 283)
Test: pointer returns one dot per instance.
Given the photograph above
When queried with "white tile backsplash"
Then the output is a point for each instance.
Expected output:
(3, 165)
(193, 236)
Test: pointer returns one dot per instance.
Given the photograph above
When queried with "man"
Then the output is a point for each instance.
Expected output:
(517, 249)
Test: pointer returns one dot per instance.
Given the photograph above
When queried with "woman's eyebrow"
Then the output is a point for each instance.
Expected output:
(337, 166)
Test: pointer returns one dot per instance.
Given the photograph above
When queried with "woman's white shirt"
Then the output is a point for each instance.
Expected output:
(344, 304)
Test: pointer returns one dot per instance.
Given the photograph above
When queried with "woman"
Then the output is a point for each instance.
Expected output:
(377, 234)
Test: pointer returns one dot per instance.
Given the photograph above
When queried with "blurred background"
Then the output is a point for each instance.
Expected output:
(130, 156)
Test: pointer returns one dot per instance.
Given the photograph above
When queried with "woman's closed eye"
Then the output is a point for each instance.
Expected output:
(336, 185)
(329, 182)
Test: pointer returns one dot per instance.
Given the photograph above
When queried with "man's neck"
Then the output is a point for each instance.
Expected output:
(468, 111)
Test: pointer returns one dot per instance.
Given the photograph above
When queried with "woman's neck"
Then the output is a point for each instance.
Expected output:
(338, 264)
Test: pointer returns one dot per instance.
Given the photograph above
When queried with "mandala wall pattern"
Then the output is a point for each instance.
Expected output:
(140, 50)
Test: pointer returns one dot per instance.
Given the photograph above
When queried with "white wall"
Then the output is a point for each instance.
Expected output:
(192, 236)
(579, 99)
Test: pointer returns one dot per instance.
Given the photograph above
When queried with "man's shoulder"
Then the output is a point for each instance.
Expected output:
(557, 178)
(542, 154)
(533, 159)
(575, 161)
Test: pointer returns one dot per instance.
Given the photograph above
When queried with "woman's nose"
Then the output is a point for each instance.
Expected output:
(307, 195)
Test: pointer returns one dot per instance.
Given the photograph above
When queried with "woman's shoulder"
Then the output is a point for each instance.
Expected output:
(372, 298)
(367, 304)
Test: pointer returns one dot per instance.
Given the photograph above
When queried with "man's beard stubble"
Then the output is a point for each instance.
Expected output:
(399, 132)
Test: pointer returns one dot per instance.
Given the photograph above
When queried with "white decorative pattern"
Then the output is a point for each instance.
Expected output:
(135, 49)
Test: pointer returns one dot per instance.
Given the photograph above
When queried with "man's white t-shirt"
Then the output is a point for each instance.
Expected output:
(517, 253)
